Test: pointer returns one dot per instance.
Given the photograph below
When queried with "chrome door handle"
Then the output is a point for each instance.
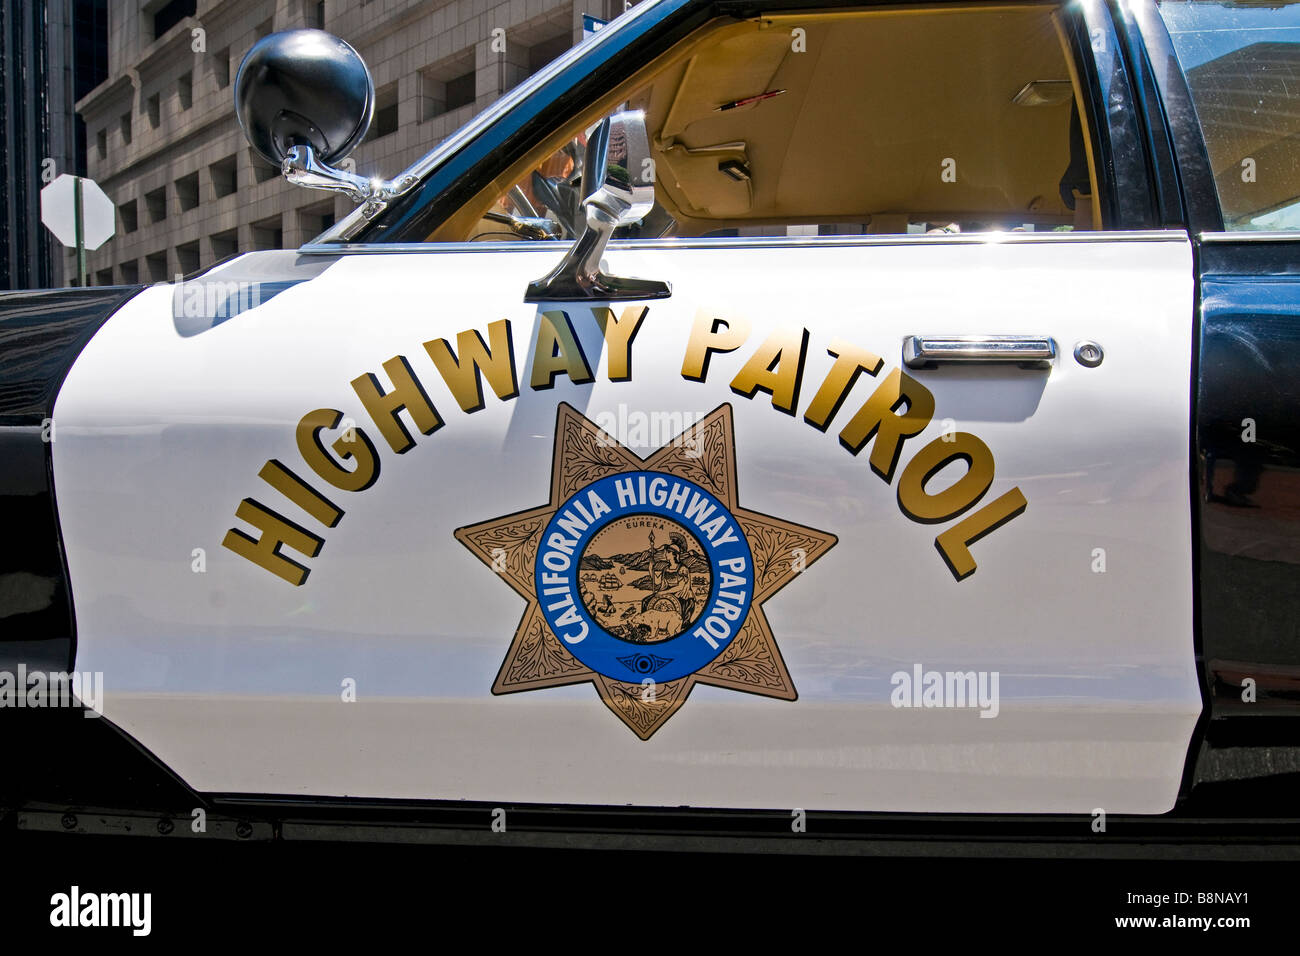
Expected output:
(926, 351)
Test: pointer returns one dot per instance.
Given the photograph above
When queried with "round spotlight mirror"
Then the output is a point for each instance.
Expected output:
(304, 88)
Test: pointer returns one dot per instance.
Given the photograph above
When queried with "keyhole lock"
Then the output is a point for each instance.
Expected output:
(1088, 354)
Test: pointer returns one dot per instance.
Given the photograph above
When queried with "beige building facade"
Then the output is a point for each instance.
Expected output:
(164, 144)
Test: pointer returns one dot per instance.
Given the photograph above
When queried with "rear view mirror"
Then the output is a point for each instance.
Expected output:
(618, 189)
(618, 159)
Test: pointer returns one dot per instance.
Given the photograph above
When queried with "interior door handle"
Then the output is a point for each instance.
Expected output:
(927, 351)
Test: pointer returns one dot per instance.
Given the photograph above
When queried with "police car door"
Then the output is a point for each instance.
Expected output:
(883, 506)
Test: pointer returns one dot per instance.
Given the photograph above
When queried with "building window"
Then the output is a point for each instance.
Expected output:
(130, 272)
(385, 112)
(533, 46)
(433, 96)
(104, 277)
(447, 86)
(169, 14)
(153, 106)
(156, 266)
(101, 143)
(221, 68)
(268, 234)
(460, 91)
(224, 245)
(540, 54)
(130, 221)
(187, 258)
(262, 170)
(224, 181)
(126, 128)
(187, 192)
(265, 28)
(185, 90)
(156, 204)
(90, 44)
(314, 13)
(313, 220)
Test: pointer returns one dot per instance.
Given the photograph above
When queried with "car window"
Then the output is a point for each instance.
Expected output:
(930, 119)
(1242, 62)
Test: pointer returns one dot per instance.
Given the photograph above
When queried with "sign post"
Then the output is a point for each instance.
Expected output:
(80, 217)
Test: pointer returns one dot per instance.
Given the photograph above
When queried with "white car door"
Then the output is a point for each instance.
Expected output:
(796, 535)
(1050, 557)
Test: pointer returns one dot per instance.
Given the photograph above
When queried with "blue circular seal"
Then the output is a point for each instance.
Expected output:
(644, 576)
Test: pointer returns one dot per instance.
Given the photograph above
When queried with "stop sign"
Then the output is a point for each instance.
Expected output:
(58, 211)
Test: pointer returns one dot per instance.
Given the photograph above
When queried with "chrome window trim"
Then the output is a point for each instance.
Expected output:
(507, 102)
(1247, 235)
(1198, 193)
(755, 242)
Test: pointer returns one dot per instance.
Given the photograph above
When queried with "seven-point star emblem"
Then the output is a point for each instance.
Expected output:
(645, 577)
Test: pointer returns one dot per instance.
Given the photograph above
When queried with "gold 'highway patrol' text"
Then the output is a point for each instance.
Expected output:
(344, 457)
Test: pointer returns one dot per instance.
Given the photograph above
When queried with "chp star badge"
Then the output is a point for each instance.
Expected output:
(644, 576)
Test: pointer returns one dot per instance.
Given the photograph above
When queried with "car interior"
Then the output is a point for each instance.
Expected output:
(876, 121)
